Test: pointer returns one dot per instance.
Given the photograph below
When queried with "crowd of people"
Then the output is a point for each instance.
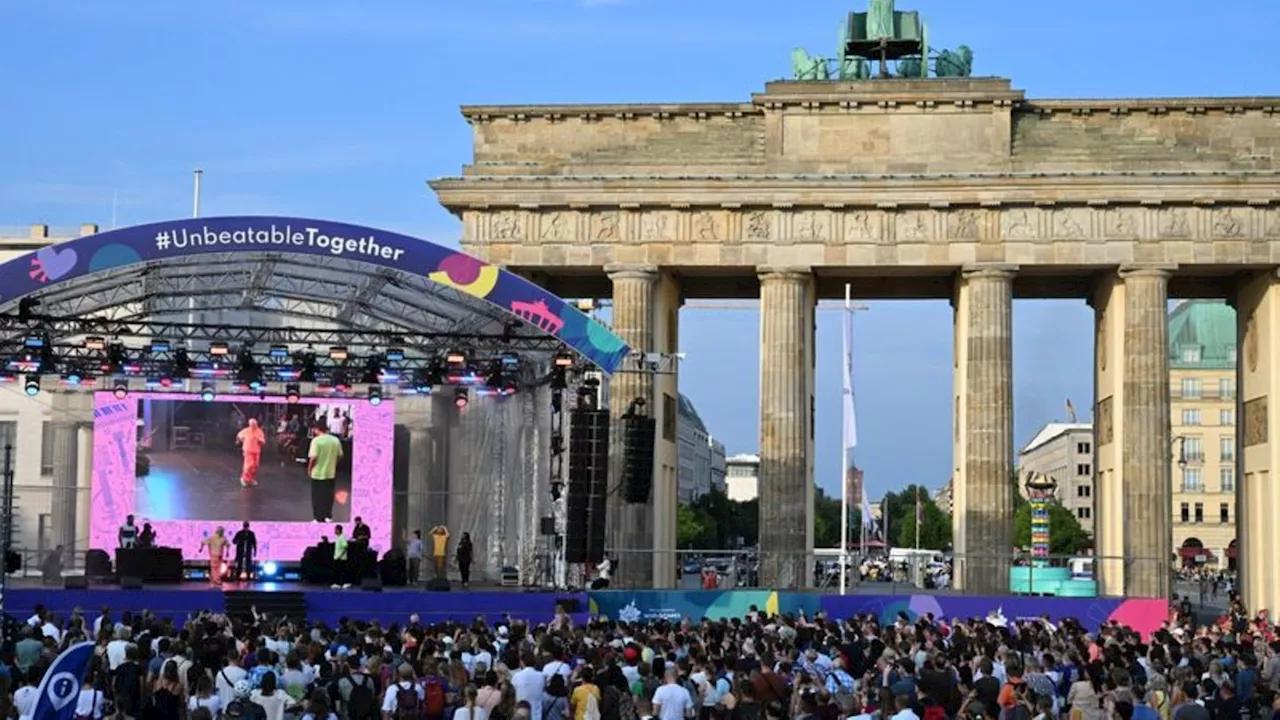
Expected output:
(755, 667)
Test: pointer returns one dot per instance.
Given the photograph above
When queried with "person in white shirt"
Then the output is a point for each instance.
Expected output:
(25, 697)
(556, 666)
(271, 700)
(116, 648)
(529, 685)
(671, 702)
(204, 697)
(227, 677)
(91, 701)
(469, 709)
(391, 698)
(903, 704)
(51, 630)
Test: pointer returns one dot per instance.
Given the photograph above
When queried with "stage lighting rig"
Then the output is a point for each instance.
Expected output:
(94, 342)
(26, 308)
(461, 398)
(160, 345)
(219, 348)
(338, 352)
(208, 391)
(278, 352)
(120, 389)
(248, 371)
(292, 393)
(339, 380)
(32, 385)
(455, 358)
(304, 361)
(372, 370)
(117, 358)
(375, 395)
(72, 376)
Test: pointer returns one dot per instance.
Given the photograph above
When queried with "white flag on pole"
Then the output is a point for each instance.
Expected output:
(868, 521)
(850, 418)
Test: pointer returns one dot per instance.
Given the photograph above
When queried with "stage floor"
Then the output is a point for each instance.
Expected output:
(204, 485)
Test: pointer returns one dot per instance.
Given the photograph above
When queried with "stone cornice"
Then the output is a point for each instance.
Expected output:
(849, 191)
(621, 111)
(1153, 106)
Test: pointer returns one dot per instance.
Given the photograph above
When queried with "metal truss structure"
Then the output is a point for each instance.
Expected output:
(277, 299)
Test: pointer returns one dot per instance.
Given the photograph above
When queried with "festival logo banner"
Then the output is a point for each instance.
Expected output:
(60, 688)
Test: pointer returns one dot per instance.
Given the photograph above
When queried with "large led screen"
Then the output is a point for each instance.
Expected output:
(188, 466)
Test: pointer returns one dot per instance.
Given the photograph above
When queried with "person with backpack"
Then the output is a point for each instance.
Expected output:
(404, 698)
(126, 686)
(360, 693)
(584, 702)
(435, 694)
(92, 701)
(241, 707)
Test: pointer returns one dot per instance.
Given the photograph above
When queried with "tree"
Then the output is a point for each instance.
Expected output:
(1066, 537)
(695, 529)
(900, 508)
(735, 522)
(826, 520)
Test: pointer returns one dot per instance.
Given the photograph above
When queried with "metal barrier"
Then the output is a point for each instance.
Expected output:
(908, 572)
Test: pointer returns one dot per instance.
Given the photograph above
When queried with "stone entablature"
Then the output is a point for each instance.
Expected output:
(893, 126)
(884, 234)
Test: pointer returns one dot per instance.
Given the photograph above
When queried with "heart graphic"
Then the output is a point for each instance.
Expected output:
(53, 263)
(63, 688)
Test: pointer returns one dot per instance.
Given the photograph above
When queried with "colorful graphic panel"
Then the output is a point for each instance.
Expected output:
(180, 238)
(114, 482)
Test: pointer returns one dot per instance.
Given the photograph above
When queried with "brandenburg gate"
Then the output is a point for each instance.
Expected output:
(957, 188)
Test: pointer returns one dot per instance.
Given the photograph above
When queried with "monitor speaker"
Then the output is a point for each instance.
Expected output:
(637, 458)
(75, 582)
(130, 583)
(438, 585)
(372, 584)
(588, 485)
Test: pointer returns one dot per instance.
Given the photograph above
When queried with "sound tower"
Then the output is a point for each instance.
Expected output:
(637, 457)
(588, 485)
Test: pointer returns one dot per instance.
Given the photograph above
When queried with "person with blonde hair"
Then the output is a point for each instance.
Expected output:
(250, 439)
(217, 545)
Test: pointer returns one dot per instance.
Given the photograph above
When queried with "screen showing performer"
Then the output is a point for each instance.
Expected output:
(182, 467)
(236, 461)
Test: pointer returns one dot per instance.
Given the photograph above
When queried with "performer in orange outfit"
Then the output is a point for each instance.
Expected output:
(251, 439)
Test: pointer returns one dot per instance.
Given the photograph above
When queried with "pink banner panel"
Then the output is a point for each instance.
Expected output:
(115, 447)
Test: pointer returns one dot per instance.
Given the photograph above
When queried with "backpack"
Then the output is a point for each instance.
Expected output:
(127, 689)
(361, 704)
(241, 709)
(434, 700)
(406, 702)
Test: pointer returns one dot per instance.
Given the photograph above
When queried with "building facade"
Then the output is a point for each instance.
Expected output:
(1064, 452)
(742, 477)
(1202, 385)
(700, 457)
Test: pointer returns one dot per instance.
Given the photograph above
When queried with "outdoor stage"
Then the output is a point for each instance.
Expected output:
(395, 605)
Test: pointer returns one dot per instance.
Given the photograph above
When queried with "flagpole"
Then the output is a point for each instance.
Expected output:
(919, 516)
(844, 449)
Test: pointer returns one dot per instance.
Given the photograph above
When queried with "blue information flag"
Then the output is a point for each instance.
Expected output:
(60, 688)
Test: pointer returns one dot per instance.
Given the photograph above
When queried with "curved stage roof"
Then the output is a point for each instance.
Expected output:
(330, 275)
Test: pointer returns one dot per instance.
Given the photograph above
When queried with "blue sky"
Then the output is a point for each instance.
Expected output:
(343, 109)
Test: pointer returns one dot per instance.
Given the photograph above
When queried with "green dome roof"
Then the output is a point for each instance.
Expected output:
(1202, 336)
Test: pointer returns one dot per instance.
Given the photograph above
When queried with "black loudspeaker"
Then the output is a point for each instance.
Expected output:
(438, 585)
(588, 485)
(392, 568)
(372, 584)
(547, 526)
(130, 583)
(75, 582)
(637, 458)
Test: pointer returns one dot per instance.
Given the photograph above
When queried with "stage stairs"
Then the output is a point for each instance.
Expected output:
(240, 604)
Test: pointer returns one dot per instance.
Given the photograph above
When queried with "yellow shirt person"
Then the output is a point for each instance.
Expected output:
(440, 548)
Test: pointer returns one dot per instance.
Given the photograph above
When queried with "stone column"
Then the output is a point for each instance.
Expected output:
(1132, 447)
(629, 525)
(786, 425)
(984, 443)
(1148, 544)
(1257, 303)
(66, 457)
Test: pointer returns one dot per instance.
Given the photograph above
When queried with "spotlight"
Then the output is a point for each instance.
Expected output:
(160, 345)
(305, 362)
(340, 381)
(116, 357)
(208, 391)
(219, 348)
(93, 342)
(72, 376)
(292, 393)
(33, 341)
(337, 352)
(564, 360)
(456, 359)
(394, 354)
(120, 389)
(423, 382)
(461, 398)
(279, 352)
(248, 372)
(269, 569)
(494, 377)
(375, 395)
(32, 386)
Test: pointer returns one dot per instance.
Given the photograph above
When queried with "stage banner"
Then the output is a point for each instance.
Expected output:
(133, 246)
(1143, 615)
(60, 688)
(648, 605)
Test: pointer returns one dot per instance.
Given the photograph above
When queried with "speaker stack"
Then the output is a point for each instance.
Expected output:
(588, 485)
(637, 453)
